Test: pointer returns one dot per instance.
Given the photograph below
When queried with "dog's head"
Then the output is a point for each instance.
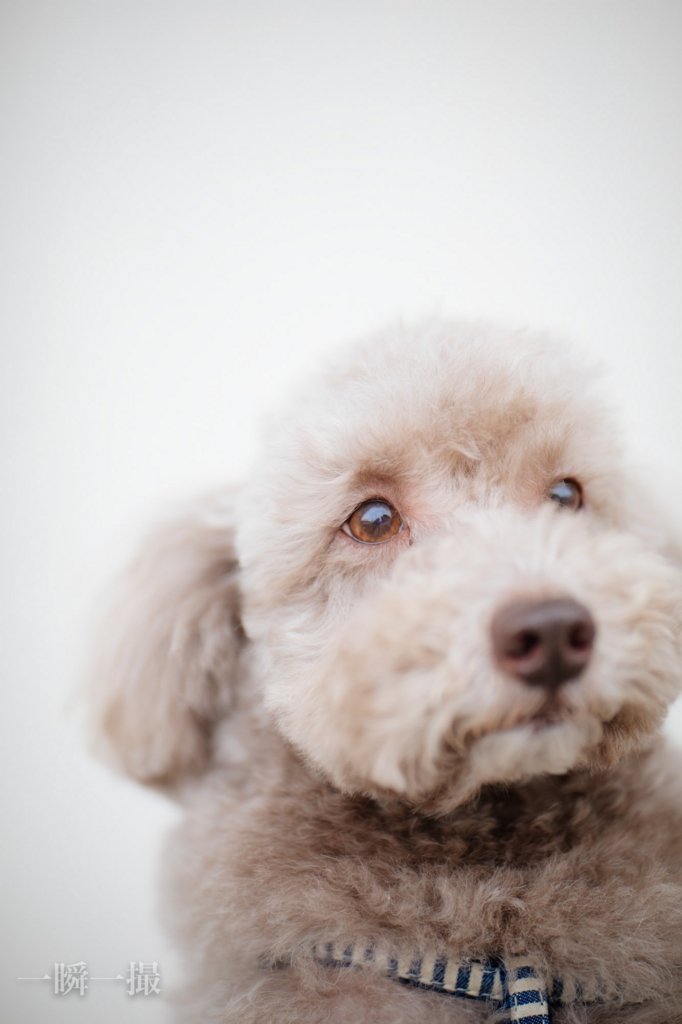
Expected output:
(450, 578)
(443, 572)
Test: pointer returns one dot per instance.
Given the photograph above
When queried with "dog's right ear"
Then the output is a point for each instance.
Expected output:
(168, 659)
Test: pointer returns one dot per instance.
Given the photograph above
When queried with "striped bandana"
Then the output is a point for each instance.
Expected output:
(513, 984)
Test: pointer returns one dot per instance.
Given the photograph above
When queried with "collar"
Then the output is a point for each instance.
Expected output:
(514, 984)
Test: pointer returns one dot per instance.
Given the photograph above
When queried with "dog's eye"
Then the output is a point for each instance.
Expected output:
(566, 493)
(373, 522)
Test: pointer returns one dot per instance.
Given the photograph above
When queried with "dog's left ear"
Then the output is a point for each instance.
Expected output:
(168, 661)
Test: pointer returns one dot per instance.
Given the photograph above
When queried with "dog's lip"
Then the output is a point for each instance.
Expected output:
(545, 721)
(549, 714)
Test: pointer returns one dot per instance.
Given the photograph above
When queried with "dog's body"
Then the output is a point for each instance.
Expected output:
(377, 780)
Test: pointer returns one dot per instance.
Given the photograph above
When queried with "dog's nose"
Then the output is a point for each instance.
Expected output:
(544, 643)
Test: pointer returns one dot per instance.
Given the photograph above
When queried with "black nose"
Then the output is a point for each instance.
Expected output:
(544, 643)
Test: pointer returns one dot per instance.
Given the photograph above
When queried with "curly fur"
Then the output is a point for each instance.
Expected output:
(354, 765)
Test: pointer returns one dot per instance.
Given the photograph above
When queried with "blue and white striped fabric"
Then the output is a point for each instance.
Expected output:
(513, 985)
(526, 996)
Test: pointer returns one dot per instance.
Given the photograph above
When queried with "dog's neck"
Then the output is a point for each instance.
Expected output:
(515, 824)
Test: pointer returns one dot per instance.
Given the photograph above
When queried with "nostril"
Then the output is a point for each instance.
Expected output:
(544, 643)
(581, 635)
(521, 644)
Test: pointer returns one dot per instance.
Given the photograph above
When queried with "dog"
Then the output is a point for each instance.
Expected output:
(408, 683)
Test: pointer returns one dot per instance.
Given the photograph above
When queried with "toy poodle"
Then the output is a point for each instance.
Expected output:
(408, 683)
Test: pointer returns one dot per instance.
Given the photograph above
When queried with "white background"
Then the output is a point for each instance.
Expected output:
(198, 199)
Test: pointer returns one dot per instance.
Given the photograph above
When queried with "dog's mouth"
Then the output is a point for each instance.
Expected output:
(553, 711)
(550, 714)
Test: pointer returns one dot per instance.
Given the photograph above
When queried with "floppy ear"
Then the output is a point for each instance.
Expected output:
(168, 659)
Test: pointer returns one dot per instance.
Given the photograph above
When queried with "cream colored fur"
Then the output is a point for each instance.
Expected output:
(353, 764)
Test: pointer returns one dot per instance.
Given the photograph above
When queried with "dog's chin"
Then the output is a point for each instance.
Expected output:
(546, 745)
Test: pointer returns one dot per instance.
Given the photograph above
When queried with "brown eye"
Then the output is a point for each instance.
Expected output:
(373, 522)
(566, 493)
